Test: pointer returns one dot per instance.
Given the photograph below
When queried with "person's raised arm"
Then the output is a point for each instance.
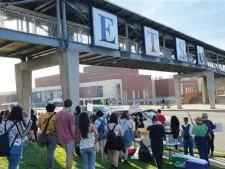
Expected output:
(191, 119)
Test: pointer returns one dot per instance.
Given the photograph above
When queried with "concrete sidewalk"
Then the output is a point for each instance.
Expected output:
(191, 107)
(185, 107)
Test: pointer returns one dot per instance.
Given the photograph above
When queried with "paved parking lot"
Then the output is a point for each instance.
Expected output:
(216, 117)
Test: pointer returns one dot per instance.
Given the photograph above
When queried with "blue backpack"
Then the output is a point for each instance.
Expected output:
(186, 135)
(101, 130)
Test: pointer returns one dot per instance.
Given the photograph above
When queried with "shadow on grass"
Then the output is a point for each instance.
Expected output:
(34, 157)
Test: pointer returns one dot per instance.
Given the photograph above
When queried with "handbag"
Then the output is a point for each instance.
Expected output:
(42, 140)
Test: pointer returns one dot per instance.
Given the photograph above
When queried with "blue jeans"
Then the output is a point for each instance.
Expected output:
(202, 146)
(89, 156)
(188, 144)
(14, 157)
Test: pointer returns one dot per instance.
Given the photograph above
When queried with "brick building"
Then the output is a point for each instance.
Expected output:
(99, 84)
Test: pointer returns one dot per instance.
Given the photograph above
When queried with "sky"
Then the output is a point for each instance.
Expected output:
(202, 19)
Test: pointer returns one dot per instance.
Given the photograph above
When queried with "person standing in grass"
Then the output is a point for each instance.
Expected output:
(200, 131)
(100, 124)
(88, 138)
(50, 133)
(17, 130)
(156, 134)
(211, 135)
(114, 133)
(34, 128)
(188, 141)
(175, 128)
(66, 131)
(127, 133)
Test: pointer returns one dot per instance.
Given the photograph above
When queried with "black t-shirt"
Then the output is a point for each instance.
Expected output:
(157, 133)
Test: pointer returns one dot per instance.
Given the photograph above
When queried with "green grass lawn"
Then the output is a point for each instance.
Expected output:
(34, 158)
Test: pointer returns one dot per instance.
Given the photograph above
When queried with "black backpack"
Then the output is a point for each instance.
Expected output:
(111, 136)
(186, 135)
(4, 142)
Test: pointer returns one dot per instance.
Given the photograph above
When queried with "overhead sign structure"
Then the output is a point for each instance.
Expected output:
(201, 55)
(181, 51)
(151, 39)
(105, 29)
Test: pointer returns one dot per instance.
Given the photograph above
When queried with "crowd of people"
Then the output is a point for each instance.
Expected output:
(86, 134)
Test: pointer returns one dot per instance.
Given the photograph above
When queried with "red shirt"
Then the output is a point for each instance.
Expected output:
(161, 118)
(64, 121)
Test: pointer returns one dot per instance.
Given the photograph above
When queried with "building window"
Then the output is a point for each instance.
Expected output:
(99, 91)
(133, 93)
(144, 96)
(118, 91)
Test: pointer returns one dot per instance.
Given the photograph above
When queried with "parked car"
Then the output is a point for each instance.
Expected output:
(143, 120)
(105, 109)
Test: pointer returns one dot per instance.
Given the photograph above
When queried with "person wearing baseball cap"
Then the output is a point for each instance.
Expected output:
(200, 131)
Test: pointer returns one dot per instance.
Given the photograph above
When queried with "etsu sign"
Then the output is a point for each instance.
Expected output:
(105, 34)
(105, 29)
(181, 51)
(201, 55)
(151, 39)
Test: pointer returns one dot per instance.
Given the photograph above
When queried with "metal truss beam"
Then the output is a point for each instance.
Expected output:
(28, 38)
(44, 5)
(18, 51)
(6, 44)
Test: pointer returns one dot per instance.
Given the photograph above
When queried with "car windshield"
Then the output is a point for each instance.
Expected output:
(149, 113)
(102, 108)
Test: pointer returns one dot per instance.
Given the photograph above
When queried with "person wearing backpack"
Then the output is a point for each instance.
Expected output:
(100, 125)
(127, 133)
(188, 140)
(12, 134)
(47, 125)
(114, 144)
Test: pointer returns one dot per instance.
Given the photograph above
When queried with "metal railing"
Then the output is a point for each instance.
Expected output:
(27, 23)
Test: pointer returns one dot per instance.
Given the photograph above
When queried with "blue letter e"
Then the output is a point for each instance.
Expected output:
(105, 28)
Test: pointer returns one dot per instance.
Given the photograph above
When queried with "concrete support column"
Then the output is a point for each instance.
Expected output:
(211, 89)
(204, 91)
(69, 74)
(23, 86)
(177, 88)
(153, 92)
